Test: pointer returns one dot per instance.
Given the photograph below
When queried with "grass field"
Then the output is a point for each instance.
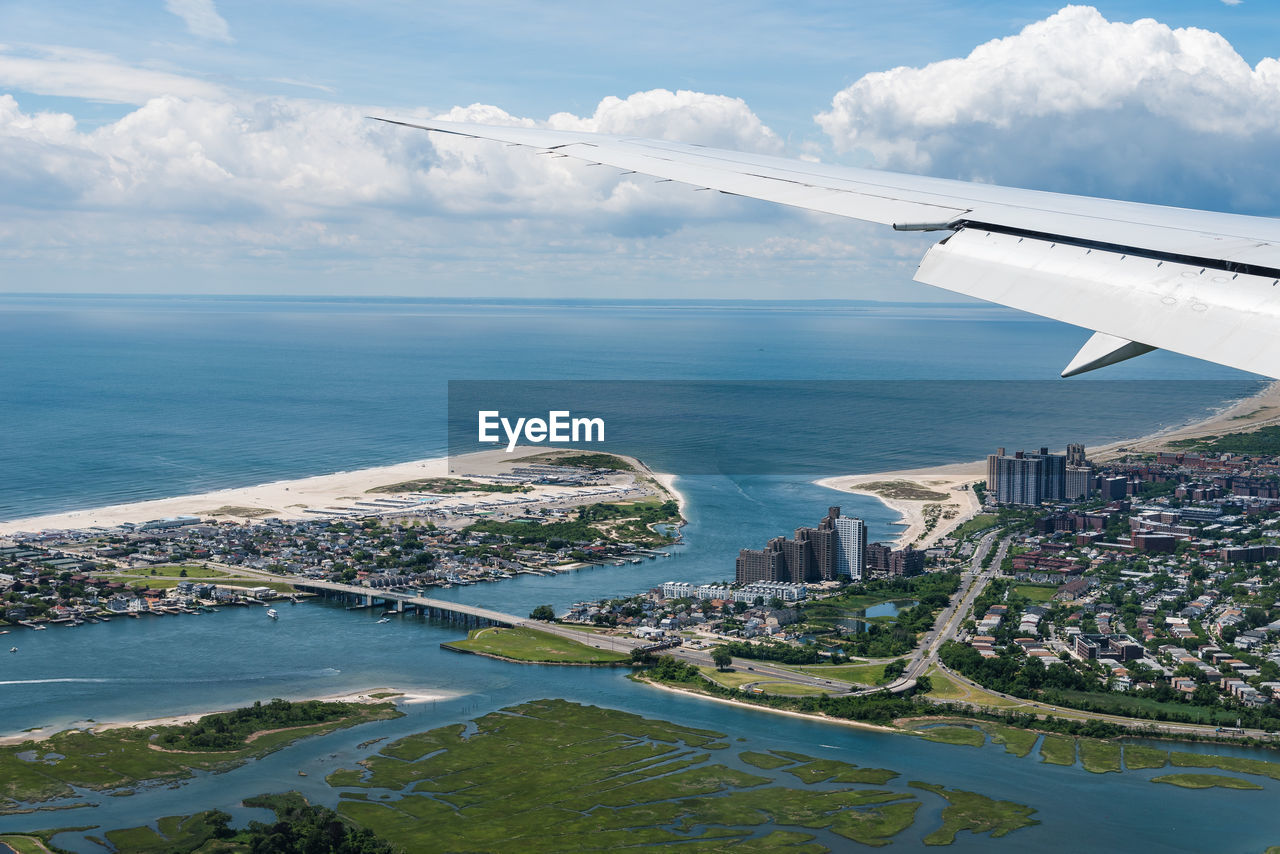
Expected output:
(1058, 749)
(976, 813)
(764, 760)
(1016, 741)
(863, 674)
(944, 687)
(123, 759)
(730, 679)
(1099, 756)
(1037, 593)
(1122, 704)
(25, 844)
(1205, 781)
(533, 646)
(791, 689)
(1226, 763)
(978, 523)
(598, 779)
(947, 688)
(1137, 757)
(962, 735)
(192, 571)
(177, 833)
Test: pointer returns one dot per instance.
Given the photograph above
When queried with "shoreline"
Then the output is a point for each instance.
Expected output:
(955, 480)
(364, 696)
(294, 498)
(742, 704)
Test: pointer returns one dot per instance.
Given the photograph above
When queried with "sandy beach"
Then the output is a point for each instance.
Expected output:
(400, 695)
(952, 499)
(952, 484)
(743, 704)
(292, 499)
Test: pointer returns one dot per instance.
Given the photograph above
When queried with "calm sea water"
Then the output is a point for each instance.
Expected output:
(110, 400)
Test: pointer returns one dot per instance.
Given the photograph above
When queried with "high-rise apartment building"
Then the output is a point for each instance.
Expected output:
(814, 554)
(851, 545)
(1028, 478)
(1079, 483)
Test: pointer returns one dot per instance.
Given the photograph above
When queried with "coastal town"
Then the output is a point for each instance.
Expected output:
(469, 531)
(1144, 585)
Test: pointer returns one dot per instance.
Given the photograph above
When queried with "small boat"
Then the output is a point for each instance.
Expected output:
(39, 628)
(271, 612)
(385, 620)
(13, 649)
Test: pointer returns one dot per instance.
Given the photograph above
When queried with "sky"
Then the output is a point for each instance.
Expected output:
(222, 146)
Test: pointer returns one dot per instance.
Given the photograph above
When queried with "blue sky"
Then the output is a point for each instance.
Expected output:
(217, 145)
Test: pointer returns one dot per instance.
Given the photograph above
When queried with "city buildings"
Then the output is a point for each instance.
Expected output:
(1026, 478)
(884, 560)
(832, 550)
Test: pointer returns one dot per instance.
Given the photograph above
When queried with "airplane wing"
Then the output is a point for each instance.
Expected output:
(1142, 277)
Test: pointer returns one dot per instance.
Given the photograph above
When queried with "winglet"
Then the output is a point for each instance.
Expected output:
(1102, 350)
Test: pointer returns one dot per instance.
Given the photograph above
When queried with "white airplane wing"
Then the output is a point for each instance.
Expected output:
(1142, 277)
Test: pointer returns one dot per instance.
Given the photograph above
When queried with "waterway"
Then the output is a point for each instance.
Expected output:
(192, 394)
(318, 648)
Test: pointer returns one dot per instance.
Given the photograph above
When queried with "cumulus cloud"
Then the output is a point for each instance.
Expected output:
(201, 176)
(201, 17)
(1081, 104)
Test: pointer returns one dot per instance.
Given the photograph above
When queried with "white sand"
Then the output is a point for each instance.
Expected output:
(668, 482)
(290, 499)
(955, 482)
(402, 695)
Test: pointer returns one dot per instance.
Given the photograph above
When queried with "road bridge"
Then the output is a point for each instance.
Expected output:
(436, 608)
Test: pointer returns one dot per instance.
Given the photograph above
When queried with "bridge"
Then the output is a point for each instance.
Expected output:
(439, 609)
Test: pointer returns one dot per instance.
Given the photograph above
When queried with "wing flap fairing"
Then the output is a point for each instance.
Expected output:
(1206, 313)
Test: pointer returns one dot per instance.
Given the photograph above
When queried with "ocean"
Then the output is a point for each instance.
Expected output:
(115, 399)
(119, 399)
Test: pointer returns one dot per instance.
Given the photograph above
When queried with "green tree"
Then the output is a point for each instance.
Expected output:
(923, 685)
(721, 658)
(543, 612)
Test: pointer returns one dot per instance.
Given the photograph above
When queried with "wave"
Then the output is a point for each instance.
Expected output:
(148, 680)
(48, 681)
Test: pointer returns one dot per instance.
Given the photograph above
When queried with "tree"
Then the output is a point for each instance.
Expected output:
(1204, 695)
(721, 658)
(923, 684)
(543, 612)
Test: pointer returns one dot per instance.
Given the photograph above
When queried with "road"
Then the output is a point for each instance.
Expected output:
(973, 582)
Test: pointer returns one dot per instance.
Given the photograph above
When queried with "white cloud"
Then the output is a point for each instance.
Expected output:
(1080, 104)
(208, 180)
(94, 76)
(201, 17)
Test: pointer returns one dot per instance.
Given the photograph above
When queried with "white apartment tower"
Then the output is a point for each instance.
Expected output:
(851, 546)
